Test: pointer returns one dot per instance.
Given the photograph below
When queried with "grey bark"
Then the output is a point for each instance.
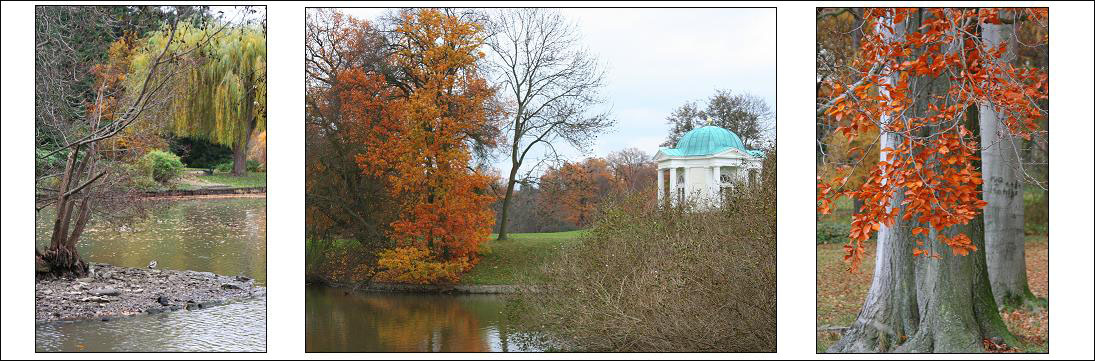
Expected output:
(955, 300)
(1004, 219)
(890, 312)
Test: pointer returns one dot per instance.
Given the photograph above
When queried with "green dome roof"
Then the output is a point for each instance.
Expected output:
(706, 141)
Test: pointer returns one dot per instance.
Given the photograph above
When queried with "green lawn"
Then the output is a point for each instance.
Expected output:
(517, 257)
(252, 179)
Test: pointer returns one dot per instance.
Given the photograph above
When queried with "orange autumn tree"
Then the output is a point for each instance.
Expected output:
(574, 191)
(932, 158)
(421, 144)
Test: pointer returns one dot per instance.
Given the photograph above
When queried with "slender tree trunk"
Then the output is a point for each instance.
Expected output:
(502, 232)
(1004, 218)
(61, 259)
(889, 314)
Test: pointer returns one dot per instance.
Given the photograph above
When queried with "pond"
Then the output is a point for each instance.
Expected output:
(341, 321)
(220, 235)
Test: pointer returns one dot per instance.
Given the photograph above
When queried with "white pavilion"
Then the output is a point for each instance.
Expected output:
(706, 161)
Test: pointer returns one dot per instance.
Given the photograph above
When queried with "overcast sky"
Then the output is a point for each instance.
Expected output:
(658, 59)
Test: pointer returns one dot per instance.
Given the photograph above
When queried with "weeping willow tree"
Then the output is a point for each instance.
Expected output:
(221, 94)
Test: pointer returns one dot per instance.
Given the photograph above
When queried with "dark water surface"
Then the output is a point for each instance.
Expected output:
(224, 236)
(396, 322)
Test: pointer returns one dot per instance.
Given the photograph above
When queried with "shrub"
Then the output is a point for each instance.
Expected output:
(161, 166)
(833, 232)
(254, 166)
(646, 279)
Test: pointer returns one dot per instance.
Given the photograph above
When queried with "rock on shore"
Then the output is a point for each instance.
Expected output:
(111, 291)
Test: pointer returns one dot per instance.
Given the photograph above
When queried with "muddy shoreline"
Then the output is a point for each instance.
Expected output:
(110, 292)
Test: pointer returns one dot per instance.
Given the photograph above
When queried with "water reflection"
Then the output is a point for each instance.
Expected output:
(381, 322)
(224, 236)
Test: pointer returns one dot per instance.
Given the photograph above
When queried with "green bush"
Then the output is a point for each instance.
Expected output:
(254, 166)
(161, 166)
(833, 232)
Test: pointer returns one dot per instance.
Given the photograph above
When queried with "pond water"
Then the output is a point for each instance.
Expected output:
(220, 235)
(338, 321)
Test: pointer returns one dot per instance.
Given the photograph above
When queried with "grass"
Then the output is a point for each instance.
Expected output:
(521, 255)
(252, 179)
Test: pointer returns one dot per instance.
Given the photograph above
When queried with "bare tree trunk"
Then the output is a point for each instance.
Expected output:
(502, 232)
(61, 259)
(1004, 218)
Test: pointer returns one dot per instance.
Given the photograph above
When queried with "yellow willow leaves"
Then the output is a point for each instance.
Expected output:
(221, 94)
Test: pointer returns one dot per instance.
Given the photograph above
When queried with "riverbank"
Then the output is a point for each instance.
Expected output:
(110, 292)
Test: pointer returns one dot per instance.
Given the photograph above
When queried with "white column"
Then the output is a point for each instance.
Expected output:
(687, 183)
(673, 186)
(659, 179)
(715, 184)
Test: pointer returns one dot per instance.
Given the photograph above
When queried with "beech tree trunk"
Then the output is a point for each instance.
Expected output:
(889, 314)
(1004, 219)
(924, 304)
(957, 310)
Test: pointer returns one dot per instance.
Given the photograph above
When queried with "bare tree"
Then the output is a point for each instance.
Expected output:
(551, 85)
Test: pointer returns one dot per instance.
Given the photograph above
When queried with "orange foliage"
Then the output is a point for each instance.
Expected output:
(933, 163)
(419, 141)
(575, 190)
(110, 78)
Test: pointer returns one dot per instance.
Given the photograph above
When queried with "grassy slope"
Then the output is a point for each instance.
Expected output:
(519, 256)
